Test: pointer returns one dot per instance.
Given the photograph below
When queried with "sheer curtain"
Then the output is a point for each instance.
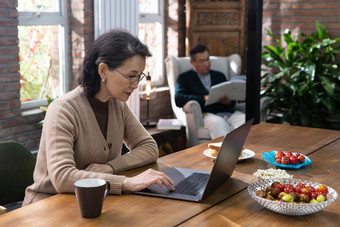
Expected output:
(124, 14)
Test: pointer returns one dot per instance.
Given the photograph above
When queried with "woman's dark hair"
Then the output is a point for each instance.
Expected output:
(199, 48)
(112, 48)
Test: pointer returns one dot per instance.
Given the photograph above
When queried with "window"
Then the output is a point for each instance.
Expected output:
(151, 32)
(43, 51)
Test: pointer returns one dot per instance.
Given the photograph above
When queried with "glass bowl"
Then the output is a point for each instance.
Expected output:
(290, 208)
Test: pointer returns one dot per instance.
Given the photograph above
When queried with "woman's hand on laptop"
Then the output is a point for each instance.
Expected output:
(145, 179)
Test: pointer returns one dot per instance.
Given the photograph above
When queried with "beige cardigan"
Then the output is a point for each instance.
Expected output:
(71, 140)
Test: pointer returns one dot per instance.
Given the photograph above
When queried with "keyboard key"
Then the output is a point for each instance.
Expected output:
(193, 184)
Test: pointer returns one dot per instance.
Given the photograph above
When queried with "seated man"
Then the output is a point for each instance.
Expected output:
(220, 118)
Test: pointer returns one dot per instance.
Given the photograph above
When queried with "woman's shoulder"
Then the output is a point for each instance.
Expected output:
(73, 98)
(76, 93)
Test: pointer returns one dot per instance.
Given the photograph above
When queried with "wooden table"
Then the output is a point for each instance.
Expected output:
(229, 205)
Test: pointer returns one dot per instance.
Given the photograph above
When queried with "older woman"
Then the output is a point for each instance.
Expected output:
(84, 129)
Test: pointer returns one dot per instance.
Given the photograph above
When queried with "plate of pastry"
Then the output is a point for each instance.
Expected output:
(213, 149)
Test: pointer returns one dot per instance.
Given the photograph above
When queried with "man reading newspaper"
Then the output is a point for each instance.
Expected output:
(220, 118)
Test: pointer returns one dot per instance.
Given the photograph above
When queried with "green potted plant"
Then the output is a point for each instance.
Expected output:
(301, 79)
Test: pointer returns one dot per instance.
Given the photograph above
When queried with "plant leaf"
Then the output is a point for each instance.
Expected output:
(322, 31)
(328, 86)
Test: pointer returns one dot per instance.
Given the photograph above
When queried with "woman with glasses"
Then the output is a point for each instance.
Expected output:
(84, 129)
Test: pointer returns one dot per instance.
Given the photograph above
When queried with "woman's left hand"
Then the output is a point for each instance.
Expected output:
(99, 168)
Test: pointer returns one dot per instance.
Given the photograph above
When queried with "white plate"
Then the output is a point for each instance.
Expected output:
(245, 154)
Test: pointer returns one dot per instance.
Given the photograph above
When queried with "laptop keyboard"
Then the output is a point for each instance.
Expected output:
(193, 184)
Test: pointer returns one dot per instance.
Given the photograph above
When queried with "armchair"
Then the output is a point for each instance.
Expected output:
(191, 113)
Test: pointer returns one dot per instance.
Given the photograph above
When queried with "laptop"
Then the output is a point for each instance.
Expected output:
(204, 182)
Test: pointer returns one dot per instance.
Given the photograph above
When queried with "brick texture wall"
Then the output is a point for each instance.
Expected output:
(174, 17)
(81, 23)
(300, 16)
(160, 107)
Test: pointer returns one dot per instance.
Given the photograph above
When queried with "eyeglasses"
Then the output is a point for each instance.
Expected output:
(204, 61)
(132, 79)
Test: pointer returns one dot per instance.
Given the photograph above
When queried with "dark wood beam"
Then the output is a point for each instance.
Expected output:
(254, 59)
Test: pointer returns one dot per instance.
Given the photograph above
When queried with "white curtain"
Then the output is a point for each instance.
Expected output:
(109, 14)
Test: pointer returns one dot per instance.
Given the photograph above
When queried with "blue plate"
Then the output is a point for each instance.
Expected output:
(270, 157)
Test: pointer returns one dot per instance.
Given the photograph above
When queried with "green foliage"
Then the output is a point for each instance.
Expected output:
(302, 79)
(34, 60)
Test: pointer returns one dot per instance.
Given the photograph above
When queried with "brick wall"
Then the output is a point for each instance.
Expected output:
(300, 16)
(81, 25)
(160, 107)
(174, 17)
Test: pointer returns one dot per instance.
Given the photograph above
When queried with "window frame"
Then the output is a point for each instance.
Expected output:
(34, 18)
(153, 18)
